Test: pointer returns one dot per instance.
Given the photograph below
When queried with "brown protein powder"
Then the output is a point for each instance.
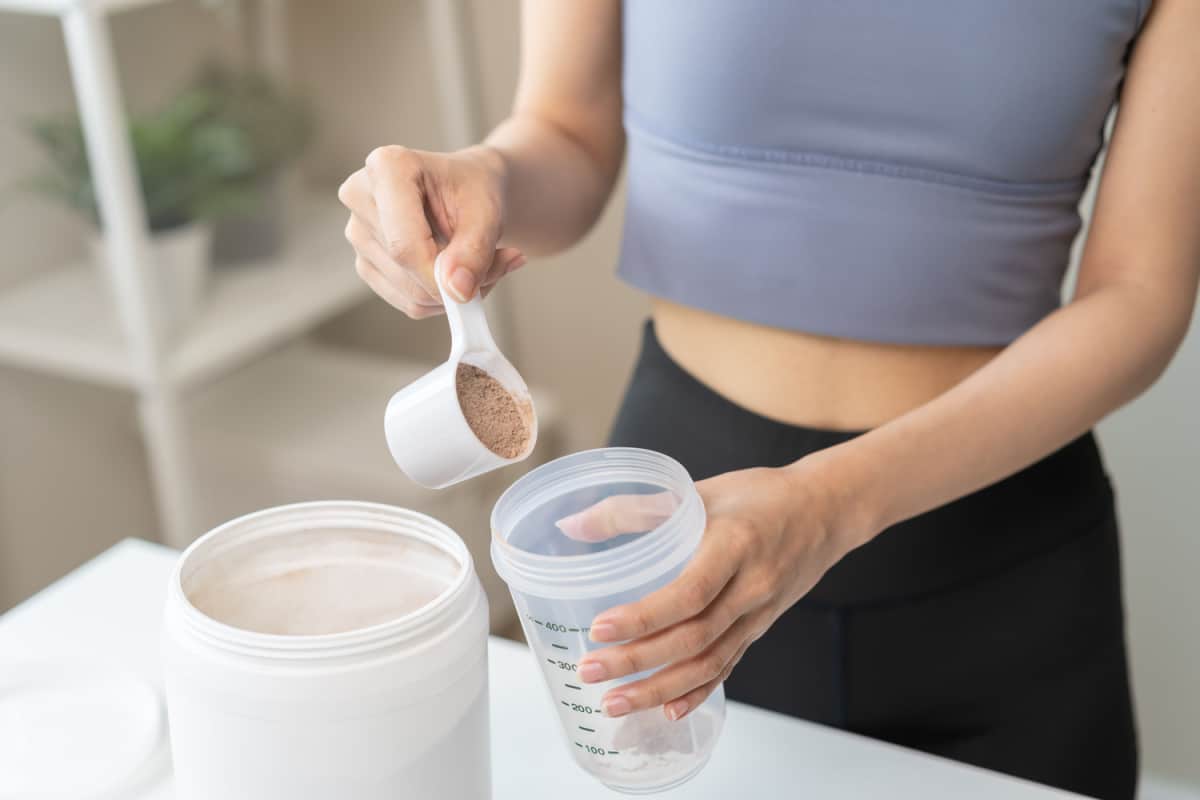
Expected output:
(499, 420)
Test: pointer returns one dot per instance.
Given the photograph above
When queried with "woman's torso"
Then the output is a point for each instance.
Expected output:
(845, 207)
(802, 379)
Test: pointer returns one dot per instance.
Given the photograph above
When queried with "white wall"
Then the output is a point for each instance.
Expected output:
(1152, 448)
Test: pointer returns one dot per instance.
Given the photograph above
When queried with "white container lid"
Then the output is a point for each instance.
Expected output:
(75, 730)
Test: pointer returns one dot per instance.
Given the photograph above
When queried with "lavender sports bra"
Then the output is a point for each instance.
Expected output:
(887, 170)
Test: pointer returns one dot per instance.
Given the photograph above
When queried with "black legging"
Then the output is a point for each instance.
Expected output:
(989, 630)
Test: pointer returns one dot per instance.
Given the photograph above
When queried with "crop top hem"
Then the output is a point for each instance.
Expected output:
(636, 125)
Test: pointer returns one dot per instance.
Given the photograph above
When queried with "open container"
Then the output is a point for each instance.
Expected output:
(394, 707)
(559, 584)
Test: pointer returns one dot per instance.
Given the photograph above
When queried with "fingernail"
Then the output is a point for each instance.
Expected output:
(462, 284)
(676, 710)
(572, 526)
(617, 706)
(592, 672)
(603, 632)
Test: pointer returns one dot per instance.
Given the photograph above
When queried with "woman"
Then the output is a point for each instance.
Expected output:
(854, 218)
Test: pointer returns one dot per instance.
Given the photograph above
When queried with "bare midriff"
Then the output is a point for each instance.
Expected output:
(813, 381)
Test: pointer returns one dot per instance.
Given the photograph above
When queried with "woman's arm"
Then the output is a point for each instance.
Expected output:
(772, 533)
(1131, 309)
(563, 143)
(536, 185)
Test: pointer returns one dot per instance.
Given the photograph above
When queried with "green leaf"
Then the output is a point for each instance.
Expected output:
(201, 155)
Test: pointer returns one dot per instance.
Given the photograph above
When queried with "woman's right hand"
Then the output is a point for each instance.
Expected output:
(406, 206)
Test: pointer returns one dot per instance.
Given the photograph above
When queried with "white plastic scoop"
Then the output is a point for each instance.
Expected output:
(427, 431)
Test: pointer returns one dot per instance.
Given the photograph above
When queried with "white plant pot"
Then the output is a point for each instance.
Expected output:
(179, 263)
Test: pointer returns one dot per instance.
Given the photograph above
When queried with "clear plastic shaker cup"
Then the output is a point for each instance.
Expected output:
(559, 583)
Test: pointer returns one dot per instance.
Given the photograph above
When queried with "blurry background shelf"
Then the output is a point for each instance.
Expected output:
(52, 7)
(282, 415)
(64, 322)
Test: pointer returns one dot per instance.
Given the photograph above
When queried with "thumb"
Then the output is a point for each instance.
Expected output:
(469, 255)
(619, 514)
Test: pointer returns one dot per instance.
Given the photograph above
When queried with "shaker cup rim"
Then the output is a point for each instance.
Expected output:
(658, 549)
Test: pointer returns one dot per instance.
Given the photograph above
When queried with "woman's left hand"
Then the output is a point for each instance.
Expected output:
(771, 535)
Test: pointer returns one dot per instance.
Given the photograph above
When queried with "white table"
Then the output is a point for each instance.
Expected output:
(109, 609)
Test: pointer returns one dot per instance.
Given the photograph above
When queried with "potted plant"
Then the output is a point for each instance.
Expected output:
(191, 165)
(277, 127)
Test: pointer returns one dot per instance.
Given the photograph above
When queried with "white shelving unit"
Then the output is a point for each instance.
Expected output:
(58, 321)
(65, 322)
(61, 7)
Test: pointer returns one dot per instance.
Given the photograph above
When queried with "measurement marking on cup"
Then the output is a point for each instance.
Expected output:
(596, 751)
(559, 646)
(573, 686)
(557, 627)
(589, 730)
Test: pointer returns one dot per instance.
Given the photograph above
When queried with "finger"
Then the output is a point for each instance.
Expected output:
(397, 186)
(468, 257)
(682, 641)
(497, 273)
(679, 708)
(507, 261)
(680, 679)
(622, 513)
(355, 194)
(390, 292)
(683, 598)
(366, 246)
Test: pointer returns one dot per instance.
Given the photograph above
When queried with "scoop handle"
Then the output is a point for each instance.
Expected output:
(469, 329)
